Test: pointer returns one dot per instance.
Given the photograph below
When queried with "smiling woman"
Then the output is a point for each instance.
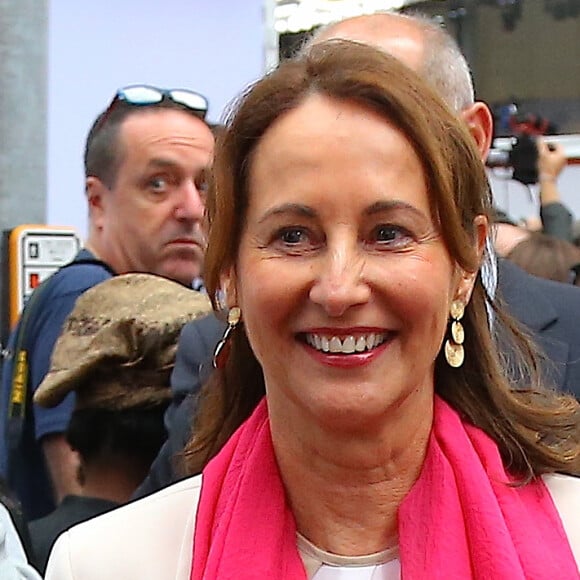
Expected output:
(348, 218)
(340, 269)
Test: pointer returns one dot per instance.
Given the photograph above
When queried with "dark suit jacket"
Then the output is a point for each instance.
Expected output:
(552, 312)
(193, 360)
(549, 309)
(193, 363)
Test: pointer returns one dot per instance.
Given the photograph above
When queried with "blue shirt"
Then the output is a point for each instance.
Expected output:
(28, 476)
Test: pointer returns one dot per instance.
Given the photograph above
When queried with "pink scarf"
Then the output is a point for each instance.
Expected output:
(460, 519)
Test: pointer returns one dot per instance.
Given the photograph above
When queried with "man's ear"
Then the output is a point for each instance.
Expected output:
(467, 280)
(95, 190)
(479, 121)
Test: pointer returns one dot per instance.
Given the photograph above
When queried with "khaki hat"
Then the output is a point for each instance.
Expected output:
(117, 347)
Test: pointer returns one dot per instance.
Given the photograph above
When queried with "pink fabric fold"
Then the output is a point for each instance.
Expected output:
(460, 520)
(244, 528)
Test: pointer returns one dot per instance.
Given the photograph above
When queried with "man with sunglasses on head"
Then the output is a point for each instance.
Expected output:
(146, 162)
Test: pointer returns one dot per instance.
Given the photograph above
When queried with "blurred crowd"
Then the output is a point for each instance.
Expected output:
(547, 246)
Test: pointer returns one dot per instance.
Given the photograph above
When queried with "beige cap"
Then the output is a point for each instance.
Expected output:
(117, 347)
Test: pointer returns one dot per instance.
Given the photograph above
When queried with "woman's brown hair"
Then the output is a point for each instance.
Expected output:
(536, 430)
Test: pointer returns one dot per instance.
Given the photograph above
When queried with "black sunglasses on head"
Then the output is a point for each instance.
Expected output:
(144, 95)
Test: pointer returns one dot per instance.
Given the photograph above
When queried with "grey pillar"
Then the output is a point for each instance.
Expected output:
(23, 111)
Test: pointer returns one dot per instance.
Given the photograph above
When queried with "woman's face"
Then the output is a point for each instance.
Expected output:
(342, 276)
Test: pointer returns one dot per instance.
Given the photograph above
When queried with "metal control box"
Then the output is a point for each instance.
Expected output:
(34, 253)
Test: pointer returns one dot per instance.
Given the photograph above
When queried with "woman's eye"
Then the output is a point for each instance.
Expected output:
(294, 240)
(386, 233)
(293, 236)
(391, 235)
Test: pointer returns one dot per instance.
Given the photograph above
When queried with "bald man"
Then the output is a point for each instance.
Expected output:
(427, 49)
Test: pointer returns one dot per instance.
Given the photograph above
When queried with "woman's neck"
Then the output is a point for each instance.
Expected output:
(345, 488)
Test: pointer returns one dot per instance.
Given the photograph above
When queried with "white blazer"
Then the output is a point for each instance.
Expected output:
(152, 538)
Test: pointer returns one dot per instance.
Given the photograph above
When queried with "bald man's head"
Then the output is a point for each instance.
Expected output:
(419, 43)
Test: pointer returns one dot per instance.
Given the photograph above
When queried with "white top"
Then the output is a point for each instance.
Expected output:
(152, 539)
(321, 565)
(387, 571)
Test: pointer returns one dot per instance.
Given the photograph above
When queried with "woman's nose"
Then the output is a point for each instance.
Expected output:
(340, 281)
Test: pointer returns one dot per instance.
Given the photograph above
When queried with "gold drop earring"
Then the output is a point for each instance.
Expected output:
(224, 346)
(454, 351)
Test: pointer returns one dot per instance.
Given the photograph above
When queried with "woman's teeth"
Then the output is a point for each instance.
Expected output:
(347, 345)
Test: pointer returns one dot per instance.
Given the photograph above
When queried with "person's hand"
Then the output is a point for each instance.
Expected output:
(551, 160)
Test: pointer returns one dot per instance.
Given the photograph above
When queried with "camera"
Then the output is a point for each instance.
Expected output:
(522, 156)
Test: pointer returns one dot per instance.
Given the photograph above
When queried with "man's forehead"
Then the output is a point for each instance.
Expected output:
(164, 117)
(165, 123)
(391, 33)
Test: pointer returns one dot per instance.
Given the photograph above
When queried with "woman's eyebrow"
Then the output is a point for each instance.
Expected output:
(391, 205)
(296, 209)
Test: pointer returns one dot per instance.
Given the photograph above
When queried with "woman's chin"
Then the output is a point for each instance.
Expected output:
(352, 413)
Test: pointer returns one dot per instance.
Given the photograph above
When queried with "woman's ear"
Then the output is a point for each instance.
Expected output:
(229, 287)
(467, 279)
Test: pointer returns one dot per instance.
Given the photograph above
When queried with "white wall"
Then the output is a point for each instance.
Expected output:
(515, 199)
(212, 46)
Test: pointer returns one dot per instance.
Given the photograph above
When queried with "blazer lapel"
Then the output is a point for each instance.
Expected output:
(184, 561)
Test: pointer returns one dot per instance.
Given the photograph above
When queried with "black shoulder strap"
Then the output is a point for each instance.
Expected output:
(92, 262)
